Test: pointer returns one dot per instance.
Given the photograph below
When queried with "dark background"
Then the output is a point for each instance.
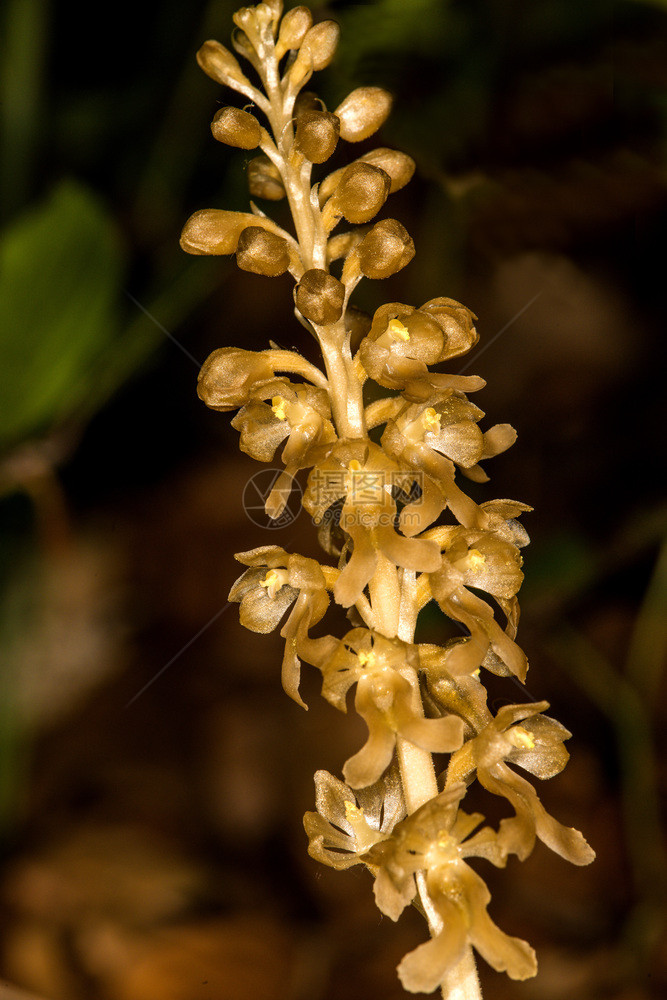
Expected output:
(153, 775)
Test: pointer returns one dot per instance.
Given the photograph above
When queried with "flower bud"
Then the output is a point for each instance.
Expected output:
(362, 192)
(275, 8)
(243, 45)
(218, 63)
(236, 128)
(308, 100)
(340, 245)
(316, 135)
(264, 180)
(317, 50)
(229, 374)
(262, 252)
(321, 42)
(385, 250)
(320, 297)
(399, 166)
(363, 112)
(216, 231)
(293, 28)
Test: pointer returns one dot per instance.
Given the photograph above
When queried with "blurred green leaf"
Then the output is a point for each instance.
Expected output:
(60, 271)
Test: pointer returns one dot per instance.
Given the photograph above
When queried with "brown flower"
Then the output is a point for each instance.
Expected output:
(436, 839)
(298, 413)
(434, 438)
(275, 581)
(362, 476)
(537, 746)
(481, 561)
(348, 823)
(403, 341)
(384, 700)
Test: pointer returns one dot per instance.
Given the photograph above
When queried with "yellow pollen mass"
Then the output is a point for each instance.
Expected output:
(354, 465)
(273, 581)
(279, 407)
(476, 559)
(398, 331)
(521, 738)
(431, 419)
(353, 812)
(366, 659)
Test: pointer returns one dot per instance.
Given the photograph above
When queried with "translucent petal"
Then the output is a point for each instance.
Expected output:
(504, 953)
(418, 515)
(565, 841)
(423, 970)
(359, 569)
(331, 794)
(509, 715)
(549, 755)
(261, 613)
(411, 553)
(264, 555)
(435, 735)
(497, 439)
(392, 896)
(296, 624)
(374, 758)
(462, 442)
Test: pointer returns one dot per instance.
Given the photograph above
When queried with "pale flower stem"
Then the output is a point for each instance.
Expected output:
(345, 389)
(416, 765)
(393, 602)
(290, 361)
(462, 982)
(385, 596)
(419, 786)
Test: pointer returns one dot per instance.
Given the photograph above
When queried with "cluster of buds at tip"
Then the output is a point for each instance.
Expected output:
(390, 511)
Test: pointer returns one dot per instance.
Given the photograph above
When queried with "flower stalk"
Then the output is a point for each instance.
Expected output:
(393, 515)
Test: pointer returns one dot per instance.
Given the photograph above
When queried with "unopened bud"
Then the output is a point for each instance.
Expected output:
(340, 245)
(264, 179)
(317, 50)
(243, 45)
(363, 112)
(321, 42)
(218, 63)
(275, 7)
(293, 28)
(320, 297)
(236, 128)
(216, 231)
(399, 166)
(229, 374)
(362, 191)
(385, 250)
(262, 252)
(308, 100)
(316, 135)
(213, 231)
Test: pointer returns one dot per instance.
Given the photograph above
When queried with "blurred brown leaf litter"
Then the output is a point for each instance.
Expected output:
(157, 850)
